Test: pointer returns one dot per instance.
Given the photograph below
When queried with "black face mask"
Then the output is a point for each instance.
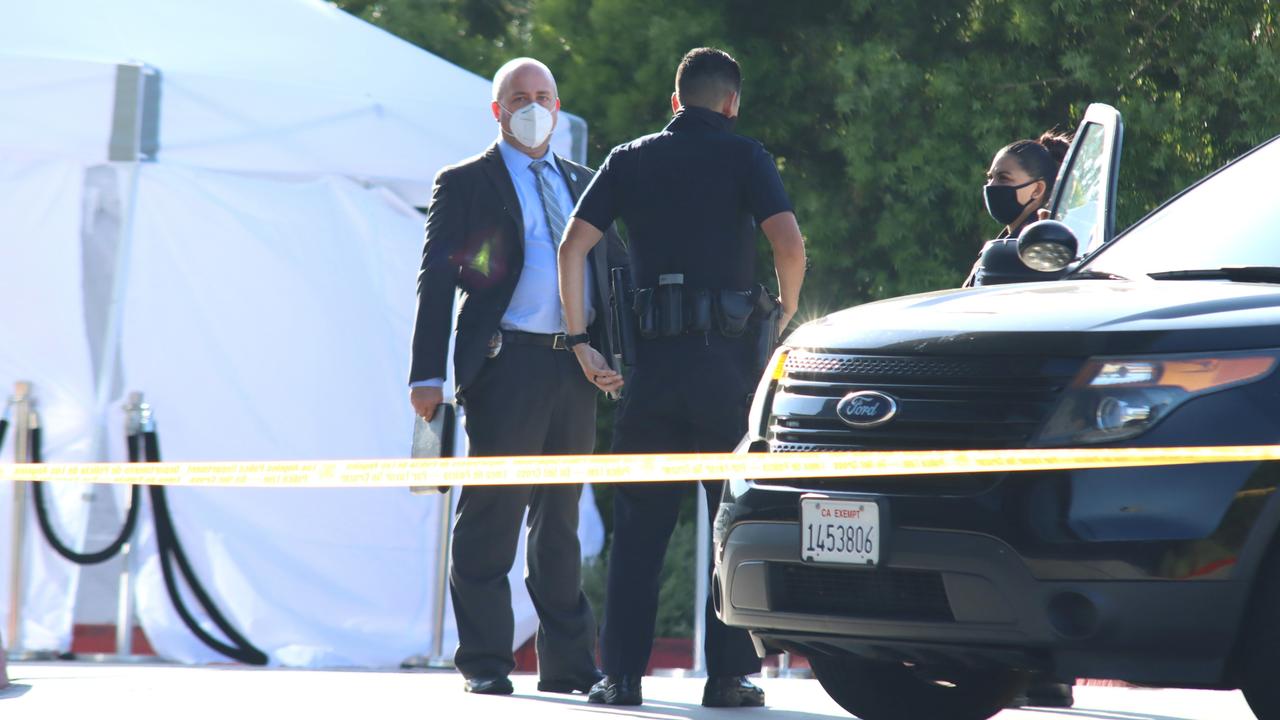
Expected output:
(1002, 201)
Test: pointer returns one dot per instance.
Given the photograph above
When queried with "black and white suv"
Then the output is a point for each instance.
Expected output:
(938, 596)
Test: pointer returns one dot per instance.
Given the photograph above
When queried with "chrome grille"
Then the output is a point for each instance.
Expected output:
(943, 403)
(810, 363)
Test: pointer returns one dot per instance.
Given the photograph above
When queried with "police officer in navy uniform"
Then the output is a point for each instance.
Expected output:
(691, 198)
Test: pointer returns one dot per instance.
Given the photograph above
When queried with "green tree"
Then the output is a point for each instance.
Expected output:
(884, 116)
(474, 34)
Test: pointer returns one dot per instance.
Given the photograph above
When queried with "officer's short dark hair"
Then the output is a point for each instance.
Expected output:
(706, 76)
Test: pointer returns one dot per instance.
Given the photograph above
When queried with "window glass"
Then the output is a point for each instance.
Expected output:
(1082, 188)
(1230, 219)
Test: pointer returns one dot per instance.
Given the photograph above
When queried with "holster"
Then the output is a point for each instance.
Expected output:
(768, 313)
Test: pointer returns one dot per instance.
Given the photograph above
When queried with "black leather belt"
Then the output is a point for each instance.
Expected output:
(519, 337)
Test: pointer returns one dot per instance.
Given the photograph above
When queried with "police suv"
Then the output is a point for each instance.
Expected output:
(938, 596)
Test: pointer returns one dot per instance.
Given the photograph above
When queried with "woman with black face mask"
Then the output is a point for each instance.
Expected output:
(1018, 185)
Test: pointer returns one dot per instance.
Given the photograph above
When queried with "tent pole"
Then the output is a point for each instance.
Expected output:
(109, 364)
(130, 109)
(107, 369)
(134, 139)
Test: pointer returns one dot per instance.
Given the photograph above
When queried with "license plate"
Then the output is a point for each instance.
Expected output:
(839, 531)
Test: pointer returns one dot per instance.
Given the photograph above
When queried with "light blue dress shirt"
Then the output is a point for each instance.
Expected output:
(535, 304)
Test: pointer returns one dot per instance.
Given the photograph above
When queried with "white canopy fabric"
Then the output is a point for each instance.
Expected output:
(277, 86)
(257, 281)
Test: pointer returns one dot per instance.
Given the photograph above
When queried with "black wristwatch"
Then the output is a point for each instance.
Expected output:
(571, 340)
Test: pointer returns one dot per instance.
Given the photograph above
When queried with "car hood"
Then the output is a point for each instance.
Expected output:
(1061, 317)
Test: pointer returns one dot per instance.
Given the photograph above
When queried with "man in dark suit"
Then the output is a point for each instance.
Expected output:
(493, 229)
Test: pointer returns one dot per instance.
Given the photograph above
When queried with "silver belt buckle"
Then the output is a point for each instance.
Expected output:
(557, 342)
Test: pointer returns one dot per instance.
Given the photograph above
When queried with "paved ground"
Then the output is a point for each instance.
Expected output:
(70, 691)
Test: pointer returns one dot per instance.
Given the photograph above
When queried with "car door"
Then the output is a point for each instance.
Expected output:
(1084, 194)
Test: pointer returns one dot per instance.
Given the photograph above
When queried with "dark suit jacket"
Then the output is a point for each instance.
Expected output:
(475, 241)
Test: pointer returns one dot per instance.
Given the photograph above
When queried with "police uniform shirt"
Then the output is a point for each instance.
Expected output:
(691, 197)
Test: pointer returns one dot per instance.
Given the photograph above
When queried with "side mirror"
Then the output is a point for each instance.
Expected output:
(1047, 246)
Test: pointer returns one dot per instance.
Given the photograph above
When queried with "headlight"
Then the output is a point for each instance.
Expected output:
(1119, 398)
(758, 417)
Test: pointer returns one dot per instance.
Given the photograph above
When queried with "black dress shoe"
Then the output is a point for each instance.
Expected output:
(616, 690)
(500, 685)
(571, 685)
(731, 691)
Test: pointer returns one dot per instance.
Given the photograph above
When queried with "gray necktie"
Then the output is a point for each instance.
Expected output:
(550, 208)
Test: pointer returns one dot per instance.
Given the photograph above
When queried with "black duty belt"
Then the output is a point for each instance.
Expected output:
(555, 341)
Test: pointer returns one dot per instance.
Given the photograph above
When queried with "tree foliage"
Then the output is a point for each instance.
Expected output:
(883, 117)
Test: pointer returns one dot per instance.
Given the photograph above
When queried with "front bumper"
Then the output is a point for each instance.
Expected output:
(972, 595)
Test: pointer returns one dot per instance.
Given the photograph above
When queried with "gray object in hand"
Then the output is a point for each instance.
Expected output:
(433, 439)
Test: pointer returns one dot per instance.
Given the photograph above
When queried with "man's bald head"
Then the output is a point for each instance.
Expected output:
(522, 67)
(516, 86)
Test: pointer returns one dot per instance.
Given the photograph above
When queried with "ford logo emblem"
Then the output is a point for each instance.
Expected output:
(866, 408)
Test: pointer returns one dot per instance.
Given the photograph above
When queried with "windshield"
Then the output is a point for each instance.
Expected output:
(1230, 219)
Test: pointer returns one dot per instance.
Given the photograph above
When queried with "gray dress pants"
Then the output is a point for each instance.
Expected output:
(528, 400)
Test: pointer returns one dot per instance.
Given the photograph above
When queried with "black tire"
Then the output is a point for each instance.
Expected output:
(1259, 651)
(894, 691)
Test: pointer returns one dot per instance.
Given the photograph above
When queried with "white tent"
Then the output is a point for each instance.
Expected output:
(213, 201)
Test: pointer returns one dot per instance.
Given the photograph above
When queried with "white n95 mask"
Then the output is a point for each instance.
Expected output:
(531, 125)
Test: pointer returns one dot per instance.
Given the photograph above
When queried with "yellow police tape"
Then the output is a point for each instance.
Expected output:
(565, 469)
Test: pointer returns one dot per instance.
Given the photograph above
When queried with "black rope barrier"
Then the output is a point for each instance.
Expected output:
(51, 534)
(145, 447)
